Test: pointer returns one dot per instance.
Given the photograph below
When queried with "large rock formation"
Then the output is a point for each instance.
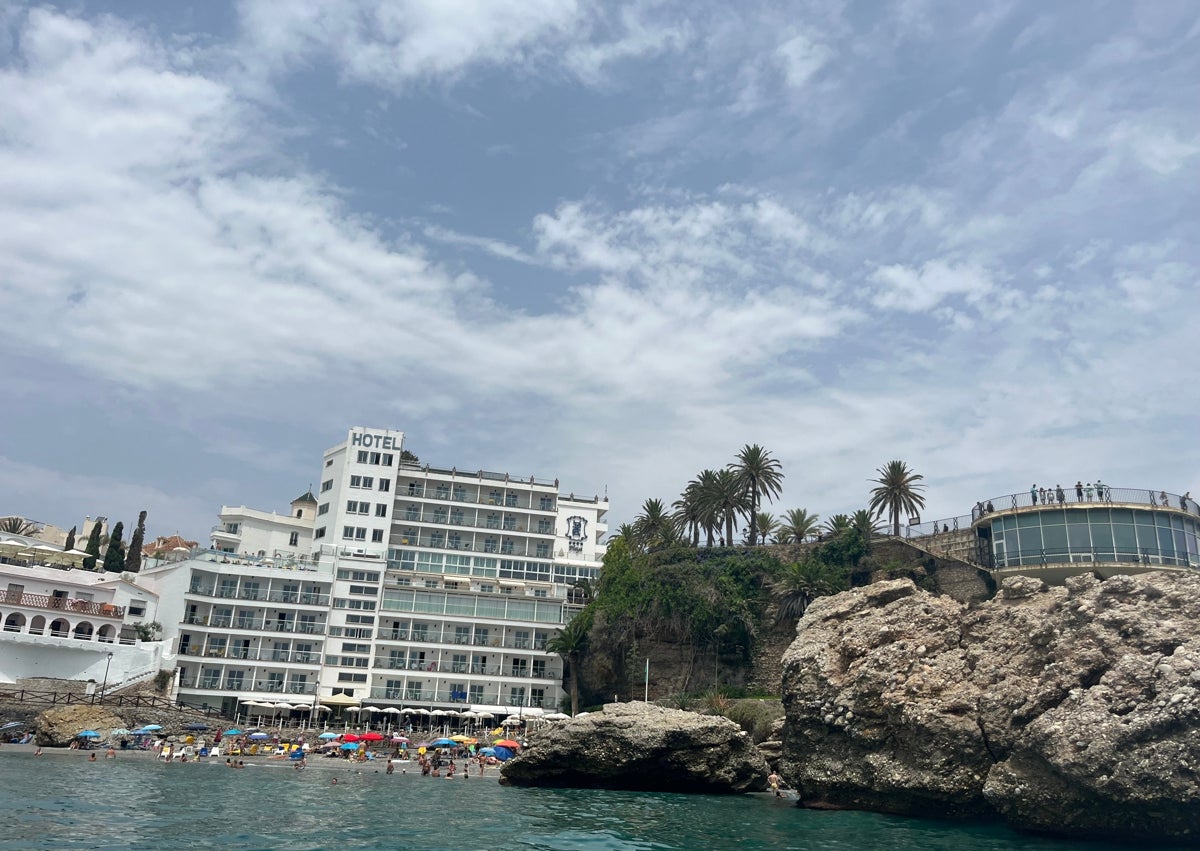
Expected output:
(643, 747)
(1072, 709)
(58, 727)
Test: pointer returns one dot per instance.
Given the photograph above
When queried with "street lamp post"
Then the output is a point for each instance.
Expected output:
(104, 686)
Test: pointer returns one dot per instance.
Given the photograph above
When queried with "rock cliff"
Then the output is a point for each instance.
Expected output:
(643, 747)
(1073, 709)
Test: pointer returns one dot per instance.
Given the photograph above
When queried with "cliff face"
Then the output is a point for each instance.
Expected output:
(1073, 710)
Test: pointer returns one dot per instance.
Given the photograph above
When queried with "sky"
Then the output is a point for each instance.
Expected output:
(608, 243)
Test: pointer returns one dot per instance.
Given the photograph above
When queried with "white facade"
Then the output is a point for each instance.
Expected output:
(74, 624)
(243, 629)
(448, 584)
(280, 537)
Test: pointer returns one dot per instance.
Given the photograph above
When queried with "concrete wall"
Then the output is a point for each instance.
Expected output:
(23, 656)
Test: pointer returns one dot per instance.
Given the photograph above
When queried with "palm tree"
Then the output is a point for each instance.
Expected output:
(764, 525)
(797, 525)
(18, 526)
(863, 522)
(759, 475)
(570, 644)
(801, 583)
(688, 514)
(708, 503)
(654, 527)
(837, 524)
(729, 500)
(898, 491)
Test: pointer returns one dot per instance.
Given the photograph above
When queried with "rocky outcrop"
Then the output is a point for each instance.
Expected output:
(642, 747)
(1073, 709)
(56, 728)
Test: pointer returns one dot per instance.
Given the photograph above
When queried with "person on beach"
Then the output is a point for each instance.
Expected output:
(110, 754)
(92, 758)
(774, 780)
(38, 752)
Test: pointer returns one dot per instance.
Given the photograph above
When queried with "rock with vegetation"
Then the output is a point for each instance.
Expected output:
(1073, 710)
(642, 747)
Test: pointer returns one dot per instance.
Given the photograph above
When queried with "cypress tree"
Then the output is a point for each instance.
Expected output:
(93, 547)
(133, 559)
(114, 556)
(70, 545)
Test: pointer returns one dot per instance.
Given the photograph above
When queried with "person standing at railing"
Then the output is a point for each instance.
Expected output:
(1088, 490)
(1183, 500)
(1041, 496)
(1033, 494)
(1078, 491)
(1162, 495)
(1058, 493)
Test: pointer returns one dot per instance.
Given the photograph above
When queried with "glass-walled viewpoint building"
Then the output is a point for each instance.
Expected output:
(1111, 531)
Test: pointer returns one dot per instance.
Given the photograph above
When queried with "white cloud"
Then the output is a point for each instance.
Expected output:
(921, 289)
(801, 59)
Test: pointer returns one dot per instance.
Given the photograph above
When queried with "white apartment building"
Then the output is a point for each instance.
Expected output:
(62, 622)
(281, 537)
(426, 588)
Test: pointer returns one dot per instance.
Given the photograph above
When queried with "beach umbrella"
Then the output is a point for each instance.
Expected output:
(502, 753)
(462, 740)
(371, 737)
(328, 736)
(506, 743)
(488, 751)
(443, 743)
(556, 716)
(196, 728)
(349, 746)
(233, 731)
(151, 728)
(485, 716)
(391, 710)
(259, 736)
(372, 709)
(355, 709)
(351, 737)
(120, 731)
(400, 740)
(12, 725)
(87, 734)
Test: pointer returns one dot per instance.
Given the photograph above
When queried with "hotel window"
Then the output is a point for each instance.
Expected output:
(385, 485)
(362, 456)
(546, 503)
(356, 481)
(345, 677)
(360, 533)
(381, 509)
(376, 536)
(355, 648)
(323, 508)
(367, 619)
(375, 458)
(361, 590)
(294, 539)
(347, 533)
(319, 533)
(326, 485)
(328, 462)
(368, 482)
(388, 458)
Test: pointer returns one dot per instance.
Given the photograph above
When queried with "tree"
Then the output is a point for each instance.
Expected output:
(863, 522)
(70, 545)
(405, 455)
(763, 525)
(729, 501)
(688, 515)
(708, 510)
(133, 559)
(114, 556)
(18, 526)
(837, 524)
(570, 643)
(801, 583)
(759, 475)
(898, 490)
(93, 546)
(797, 526)
(654, 527)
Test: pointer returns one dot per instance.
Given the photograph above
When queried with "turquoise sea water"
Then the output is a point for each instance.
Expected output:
(64, 802)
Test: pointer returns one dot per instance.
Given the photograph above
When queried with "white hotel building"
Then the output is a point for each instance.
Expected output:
(426, 588)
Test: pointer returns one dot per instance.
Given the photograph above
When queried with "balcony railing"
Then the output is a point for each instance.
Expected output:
(1086, 495)
(63, 604)
(254, 654)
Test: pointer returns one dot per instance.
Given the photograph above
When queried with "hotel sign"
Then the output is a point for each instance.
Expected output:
(376, 441)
